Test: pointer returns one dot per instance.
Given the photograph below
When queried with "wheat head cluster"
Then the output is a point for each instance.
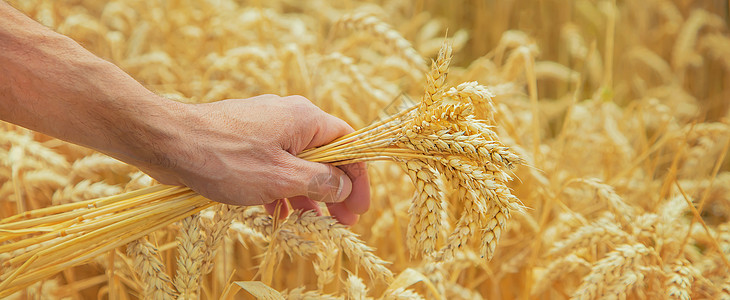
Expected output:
(516, 150)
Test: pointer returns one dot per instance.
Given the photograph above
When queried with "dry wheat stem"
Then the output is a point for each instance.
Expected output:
(103, 228)
(698, 217)
(85, 246)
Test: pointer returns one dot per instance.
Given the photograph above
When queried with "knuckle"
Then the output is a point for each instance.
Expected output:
(300, 109)
(298, 98)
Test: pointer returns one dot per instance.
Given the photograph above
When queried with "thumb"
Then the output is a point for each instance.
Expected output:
(321, 182)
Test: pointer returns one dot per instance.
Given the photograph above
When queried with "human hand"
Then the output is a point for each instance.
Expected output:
(243, 152)
(235, 151)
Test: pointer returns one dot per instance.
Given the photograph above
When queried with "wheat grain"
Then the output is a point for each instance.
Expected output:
(324, 265)
(425, 210)
(575, 44)
(214, 233)
(623, 286)
(138, 180)
(327, 228)
(716, 44)
(294, 244)
(607, 270)
(383, 31)
(85, 190)
(36, 150)
(679, 281)
(189, 258)
(150, 270)
(356, 289)
(436, 79)
(558, 268)
(471, 146)
(653, 61)
(381, 225)
(599, 233)
(436, 273)
(98, 167)
(45, 179)
(605, 192)
(682, 55)
(475, 187)
(402, 294)
(457, 291)
(300, 294)
(257, 219)
(353, 71)
(509, 40)
(244, 232)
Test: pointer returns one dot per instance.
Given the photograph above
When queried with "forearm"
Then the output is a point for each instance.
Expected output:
(50, 84)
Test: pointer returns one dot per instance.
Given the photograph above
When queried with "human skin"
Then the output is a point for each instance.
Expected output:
(236, 151)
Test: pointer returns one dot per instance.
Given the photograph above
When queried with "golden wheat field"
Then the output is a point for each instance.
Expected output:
(516, 150)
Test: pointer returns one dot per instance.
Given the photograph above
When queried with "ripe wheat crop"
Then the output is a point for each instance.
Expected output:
(571, 149)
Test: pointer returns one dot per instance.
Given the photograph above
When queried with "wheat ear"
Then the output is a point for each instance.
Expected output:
(150, 270)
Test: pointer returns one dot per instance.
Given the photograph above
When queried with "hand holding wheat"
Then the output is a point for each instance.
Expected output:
(436, 140)
(243, 152)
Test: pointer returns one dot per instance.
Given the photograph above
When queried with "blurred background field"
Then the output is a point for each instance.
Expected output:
(621, 110)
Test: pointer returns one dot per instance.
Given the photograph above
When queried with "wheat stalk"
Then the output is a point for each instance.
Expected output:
(74, 233)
